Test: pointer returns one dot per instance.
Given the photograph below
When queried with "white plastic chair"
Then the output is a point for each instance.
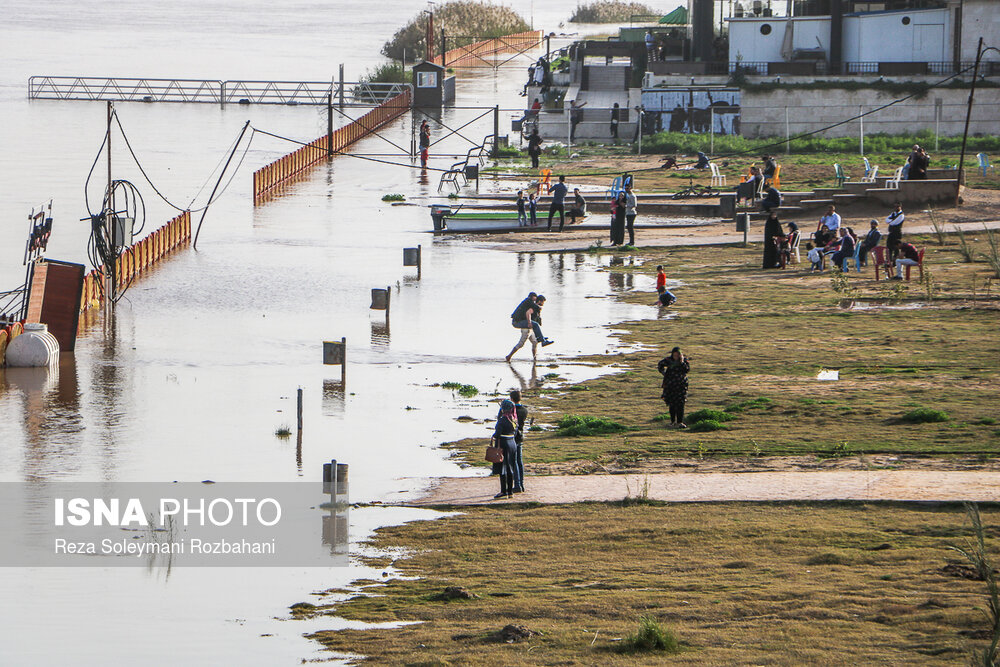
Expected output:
(893, 183)
(794, 248)
(871, 175)
(717, 178)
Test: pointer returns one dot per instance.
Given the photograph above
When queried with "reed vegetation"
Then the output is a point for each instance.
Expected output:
(610, 11)
(463, 22)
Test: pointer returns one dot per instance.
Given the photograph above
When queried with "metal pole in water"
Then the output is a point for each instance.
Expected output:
(496, 131)
(109, 264)
(329, 125)
(299, 409)
(341, 88)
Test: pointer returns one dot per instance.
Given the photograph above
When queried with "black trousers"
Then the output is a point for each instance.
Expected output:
(676, 412)
(562, 215)
(508, 467)
(630, 226)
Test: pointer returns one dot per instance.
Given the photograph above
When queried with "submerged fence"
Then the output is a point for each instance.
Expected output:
(475, 54)
(137, 258)
(270, 178)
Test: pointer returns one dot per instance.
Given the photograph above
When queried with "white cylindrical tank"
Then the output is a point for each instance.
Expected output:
(35, 347)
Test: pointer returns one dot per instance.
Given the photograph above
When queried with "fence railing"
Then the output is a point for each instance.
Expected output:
(353, 93)
(269, 179)
(138, 258)
(821, 67)
(475, 55)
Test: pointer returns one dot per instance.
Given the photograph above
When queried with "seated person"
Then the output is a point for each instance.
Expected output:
(870, 241)
(702, 161)
(747, 190)
(909, 256)
(770, 167)
(772, 199)
(845, 250)
(666, 297)
(827, 227)
(579, 209)
(815, 255)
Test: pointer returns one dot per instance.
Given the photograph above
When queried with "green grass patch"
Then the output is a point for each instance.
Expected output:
(575, 425)
(707, 425)
(466, 390)
(924, 416)
(759, 403)
(708, 413)
(650, 637)
(395, 196)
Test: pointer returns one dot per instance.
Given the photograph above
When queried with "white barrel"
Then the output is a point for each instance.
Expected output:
(35, 347)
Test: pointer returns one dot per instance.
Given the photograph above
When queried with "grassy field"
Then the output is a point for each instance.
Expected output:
(798, 171)
(760, 584)
(757, 340)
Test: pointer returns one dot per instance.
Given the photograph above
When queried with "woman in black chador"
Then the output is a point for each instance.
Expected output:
(772, 230)
(675, 385)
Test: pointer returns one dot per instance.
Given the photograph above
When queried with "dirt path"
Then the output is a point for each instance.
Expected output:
(899, 485)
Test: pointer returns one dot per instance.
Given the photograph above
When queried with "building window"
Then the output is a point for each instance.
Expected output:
(906, 20)
(427, 80)
(765, 29)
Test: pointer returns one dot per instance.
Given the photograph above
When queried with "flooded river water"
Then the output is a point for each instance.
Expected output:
(207, 350)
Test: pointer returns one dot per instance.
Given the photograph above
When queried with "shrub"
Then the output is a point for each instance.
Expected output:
(715, 415)
(924, 416)
(477, 20)
(707, 425)
(609, 11)
(393, 197)
(651, 636)
(577, 425)
(508, 151)
(283, 431)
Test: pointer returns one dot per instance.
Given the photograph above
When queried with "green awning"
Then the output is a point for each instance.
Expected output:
(677, 17)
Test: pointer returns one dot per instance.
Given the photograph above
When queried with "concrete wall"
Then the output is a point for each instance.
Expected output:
(980, 18)
(763, 114)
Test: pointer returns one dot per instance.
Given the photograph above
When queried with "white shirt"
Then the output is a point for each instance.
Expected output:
(814, 255)
(895, 218)
(831, 221)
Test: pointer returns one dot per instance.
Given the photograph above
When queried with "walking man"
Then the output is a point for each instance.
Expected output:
(615, 117)
(527, 318)
(575, 116)
(558, 193)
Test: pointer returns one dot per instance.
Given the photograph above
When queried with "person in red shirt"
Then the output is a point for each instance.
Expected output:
(665, 297)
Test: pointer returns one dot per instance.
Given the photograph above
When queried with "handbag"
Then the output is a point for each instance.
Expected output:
(494, 454)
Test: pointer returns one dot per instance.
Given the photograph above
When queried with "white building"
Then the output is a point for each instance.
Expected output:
(938, 37)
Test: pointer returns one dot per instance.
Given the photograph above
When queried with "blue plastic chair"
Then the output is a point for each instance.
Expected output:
(984, 164)
(616, 187)
(856, 258)
(868, 167)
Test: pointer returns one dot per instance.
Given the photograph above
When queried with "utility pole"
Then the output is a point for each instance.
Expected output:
(109, 235)
(968, 115)
(430, 35)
